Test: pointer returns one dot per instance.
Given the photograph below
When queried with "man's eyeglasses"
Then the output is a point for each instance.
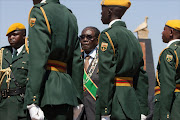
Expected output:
(89, 37)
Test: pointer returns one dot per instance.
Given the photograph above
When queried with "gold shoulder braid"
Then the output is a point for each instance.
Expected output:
(26, 45)
(1, 56)
(4, 72)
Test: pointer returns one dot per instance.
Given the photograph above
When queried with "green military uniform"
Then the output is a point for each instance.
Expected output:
(11, 102)
(167, 99)
(56, 65)
(120, 59)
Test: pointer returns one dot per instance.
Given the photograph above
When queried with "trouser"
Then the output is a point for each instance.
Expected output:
(11, 108)
(58, 112)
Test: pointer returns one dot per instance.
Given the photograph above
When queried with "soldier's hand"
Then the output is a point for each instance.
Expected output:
(105, 117)
(143, 117)
(35, 112)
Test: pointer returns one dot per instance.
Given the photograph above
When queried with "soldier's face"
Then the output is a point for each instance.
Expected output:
(88, 40)
(105, 15)
(16, 39)
(166, 34)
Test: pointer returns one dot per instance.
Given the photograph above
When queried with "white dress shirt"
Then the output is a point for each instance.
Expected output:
(92, 55)
(18, 50)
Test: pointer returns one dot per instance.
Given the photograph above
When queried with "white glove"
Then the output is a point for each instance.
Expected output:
(143, 117)
(35, 112)
(105, 117)
(77, 111)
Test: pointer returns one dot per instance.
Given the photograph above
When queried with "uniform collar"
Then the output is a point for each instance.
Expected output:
(43, 1)
(18, 50)
(172, 41)
(92, 53)
(52, 1)
(112, 22)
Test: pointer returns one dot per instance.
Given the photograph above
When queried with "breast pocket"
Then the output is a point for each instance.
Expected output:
(21, 73)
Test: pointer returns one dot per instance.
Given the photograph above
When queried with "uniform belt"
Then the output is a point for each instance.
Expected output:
(123, 81)
(158, 91)
(55, 65)
(12, 92)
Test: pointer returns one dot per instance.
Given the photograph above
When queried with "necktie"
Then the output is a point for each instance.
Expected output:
(86, 63)
(15, 54)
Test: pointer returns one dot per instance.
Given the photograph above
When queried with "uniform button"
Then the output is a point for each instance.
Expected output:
(155, 99)
(167, 115)
(27, 78)
(22, 67)
(106, 109)
(34, 100)
(10, 65)
(9, 96)
(34, 96)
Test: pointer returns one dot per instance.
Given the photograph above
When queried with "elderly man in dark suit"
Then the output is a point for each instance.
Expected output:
(89, 44)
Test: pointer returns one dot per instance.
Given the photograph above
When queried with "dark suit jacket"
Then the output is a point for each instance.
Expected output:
(88, 101)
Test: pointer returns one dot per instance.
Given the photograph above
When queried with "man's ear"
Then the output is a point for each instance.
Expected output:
(171, 32)
(109, 12)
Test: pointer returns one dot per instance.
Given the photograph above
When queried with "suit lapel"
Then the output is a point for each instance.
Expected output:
(8, 55)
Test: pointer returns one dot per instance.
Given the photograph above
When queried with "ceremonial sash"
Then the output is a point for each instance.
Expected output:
(88, 83)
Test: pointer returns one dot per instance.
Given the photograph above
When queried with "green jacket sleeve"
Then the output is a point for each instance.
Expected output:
(77, 71)
(142, 89)
(167, 75)
(39, 47)
(107, 68)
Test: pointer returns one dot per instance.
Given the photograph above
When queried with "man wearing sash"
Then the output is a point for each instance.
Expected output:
(56, 65)
(89, 42)
(167, 90)
(13, 74)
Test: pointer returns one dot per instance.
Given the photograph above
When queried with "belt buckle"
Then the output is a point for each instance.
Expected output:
(4, 93)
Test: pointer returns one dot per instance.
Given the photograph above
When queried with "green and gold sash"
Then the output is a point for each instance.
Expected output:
(88, 83)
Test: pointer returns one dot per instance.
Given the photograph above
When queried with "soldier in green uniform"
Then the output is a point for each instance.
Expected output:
(13, 74)
(120, 68)
(167, 90)
(56, 65)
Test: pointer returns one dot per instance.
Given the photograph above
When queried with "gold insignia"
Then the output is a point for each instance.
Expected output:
(169, 58)
(32, 22)
(104, 46)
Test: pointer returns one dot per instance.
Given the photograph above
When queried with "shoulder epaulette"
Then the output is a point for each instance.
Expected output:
(5, 47)
(174, 46)
(44, 14)
(105, 30)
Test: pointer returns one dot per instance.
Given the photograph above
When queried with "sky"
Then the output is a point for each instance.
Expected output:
(88, 13)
